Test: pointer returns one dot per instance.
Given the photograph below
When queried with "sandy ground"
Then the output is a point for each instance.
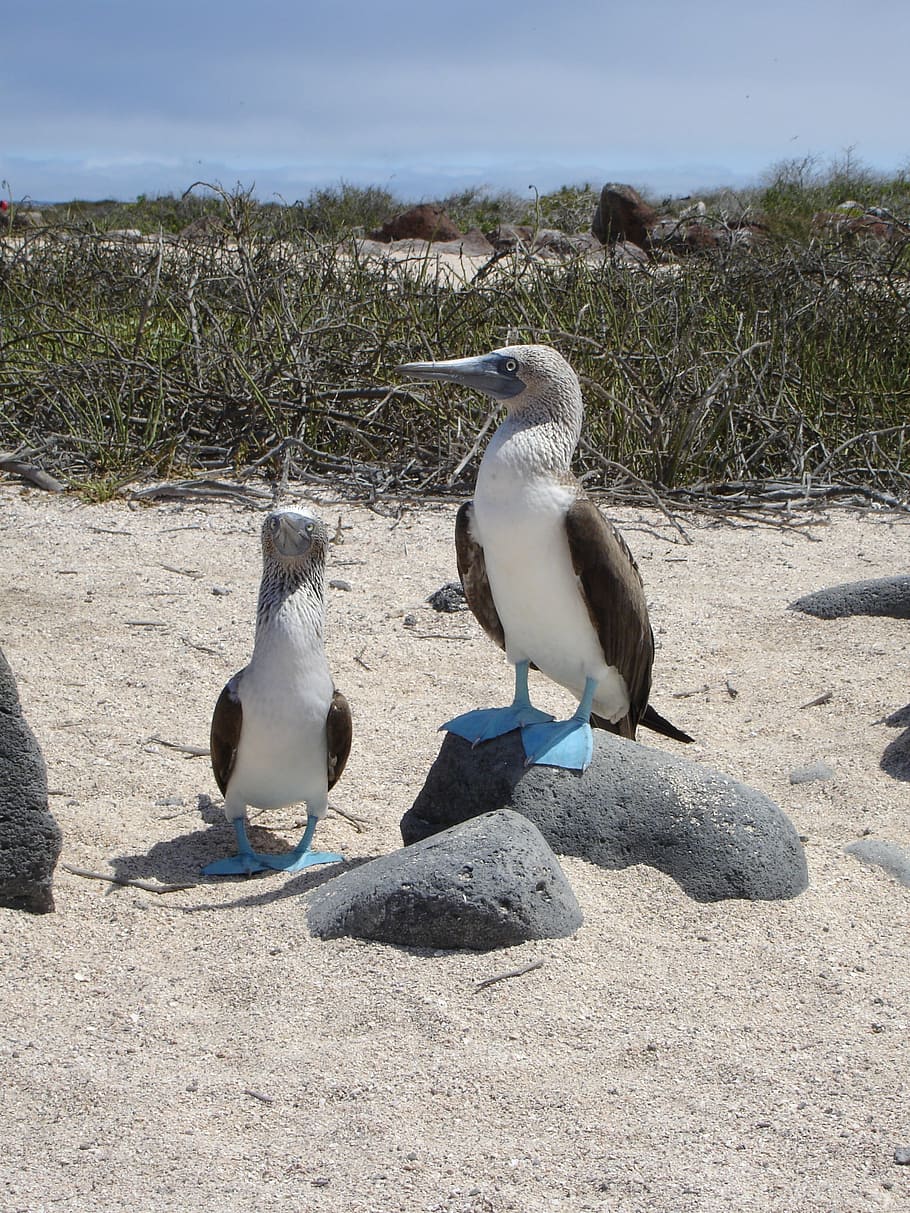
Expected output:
(199, 1050)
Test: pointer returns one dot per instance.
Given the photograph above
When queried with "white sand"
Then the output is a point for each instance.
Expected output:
(199, 1050)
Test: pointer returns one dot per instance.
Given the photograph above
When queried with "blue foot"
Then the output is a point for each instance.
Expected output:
(244, 864)
(483, 724)
(302, 857)
(564, 743)
(294, 861)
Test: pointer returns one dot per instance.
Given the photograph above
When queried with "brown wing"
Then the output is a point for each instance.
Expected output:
(338, 735)
(472, 569)
(615, 599)
(224, 737)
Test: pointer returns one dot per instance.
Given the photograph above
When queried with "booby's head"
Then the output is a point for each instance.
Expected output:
(538, 387)
(290, 536)
(515, 375)
(294, 548)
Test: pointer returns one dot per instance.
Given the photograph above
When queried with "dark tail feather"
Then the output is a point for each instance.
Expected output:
(650, 718)
(653, 720)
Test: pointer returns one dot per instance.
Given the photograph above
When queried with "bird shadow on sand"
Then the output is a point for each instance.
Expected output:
(896, 758)
(180, 860)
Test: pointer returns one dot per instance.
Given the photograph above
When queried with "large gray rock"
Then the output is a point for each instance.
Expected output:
(716, 837)
(878, 596)
(30, 838)
(487, 883)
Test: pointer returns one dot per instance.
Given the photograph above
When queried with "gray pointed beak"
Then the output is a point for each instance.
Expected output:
(486, 373)
(292, 533)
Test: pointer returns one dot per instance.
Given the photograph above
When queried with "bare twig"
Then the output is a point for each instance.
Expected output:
(490, 981)
(688, 694)
(194, 751)
(147, 886)
(28, 471)
(357, 822)
(825, 697)
(266, 1099)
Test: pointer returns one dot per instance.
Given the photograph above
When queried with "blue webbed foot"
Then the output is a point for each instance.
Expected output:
(243, 864)
(563, 743)
(296, 861)
(302, 857)
(483, 724)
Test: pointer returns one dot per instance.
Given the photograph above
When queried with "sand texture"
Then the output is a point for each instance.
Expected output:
(199, 1050)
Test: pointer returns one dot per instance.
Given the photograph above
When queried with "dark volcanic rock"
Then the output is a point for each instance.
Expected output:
(878, 596)
(30, 838)
(487, 883)
(449, 597)
(716, 837)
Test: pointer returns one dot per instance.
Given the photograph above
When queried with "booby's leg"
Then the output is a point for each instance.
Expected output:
(563, 743)
(244, 863)
(485, 723)
(302, 857)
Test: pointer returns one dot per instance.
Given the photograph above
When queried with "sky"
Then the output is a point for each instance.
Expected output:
(110, 99)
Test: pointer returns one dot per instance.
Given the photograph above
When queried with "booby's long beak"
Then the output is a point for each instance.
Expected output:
(493, 374)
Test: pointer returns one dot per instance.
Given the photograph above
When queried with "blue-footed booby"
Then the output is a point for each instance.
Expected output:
(281, 732)
(548, 578)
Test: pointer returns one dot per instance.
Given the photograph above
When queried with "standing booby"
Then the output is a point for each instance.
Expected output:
(548, 578)
(281, 732)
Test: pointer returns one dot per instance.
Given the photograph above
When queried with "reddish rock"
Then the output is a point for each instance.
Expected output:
(879, 224)
(622, 214)
(424, 222)
(685, 236)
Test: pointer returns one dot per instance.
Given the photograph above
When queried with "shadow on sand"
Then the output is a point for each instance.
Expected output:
(896, 758)
(180, 861)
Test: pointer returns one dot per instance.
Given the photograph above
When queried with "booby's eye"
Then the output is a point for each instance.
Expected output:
(309, 528)
(510, 366)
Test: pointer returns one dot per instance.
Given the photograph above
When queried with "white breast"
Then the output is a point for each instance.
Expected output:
(520, 523)
(285, 693)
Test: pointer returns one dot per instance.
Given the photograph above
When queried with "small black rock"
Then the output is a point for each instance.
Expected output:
(449, 597)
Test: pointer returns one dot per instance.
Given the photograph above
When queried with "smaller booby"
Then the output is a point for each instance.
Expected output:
(281, 732)
(548, 578)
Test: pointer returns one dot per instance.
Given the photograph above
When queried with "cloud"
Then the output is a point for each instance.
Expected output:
(106, 98)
